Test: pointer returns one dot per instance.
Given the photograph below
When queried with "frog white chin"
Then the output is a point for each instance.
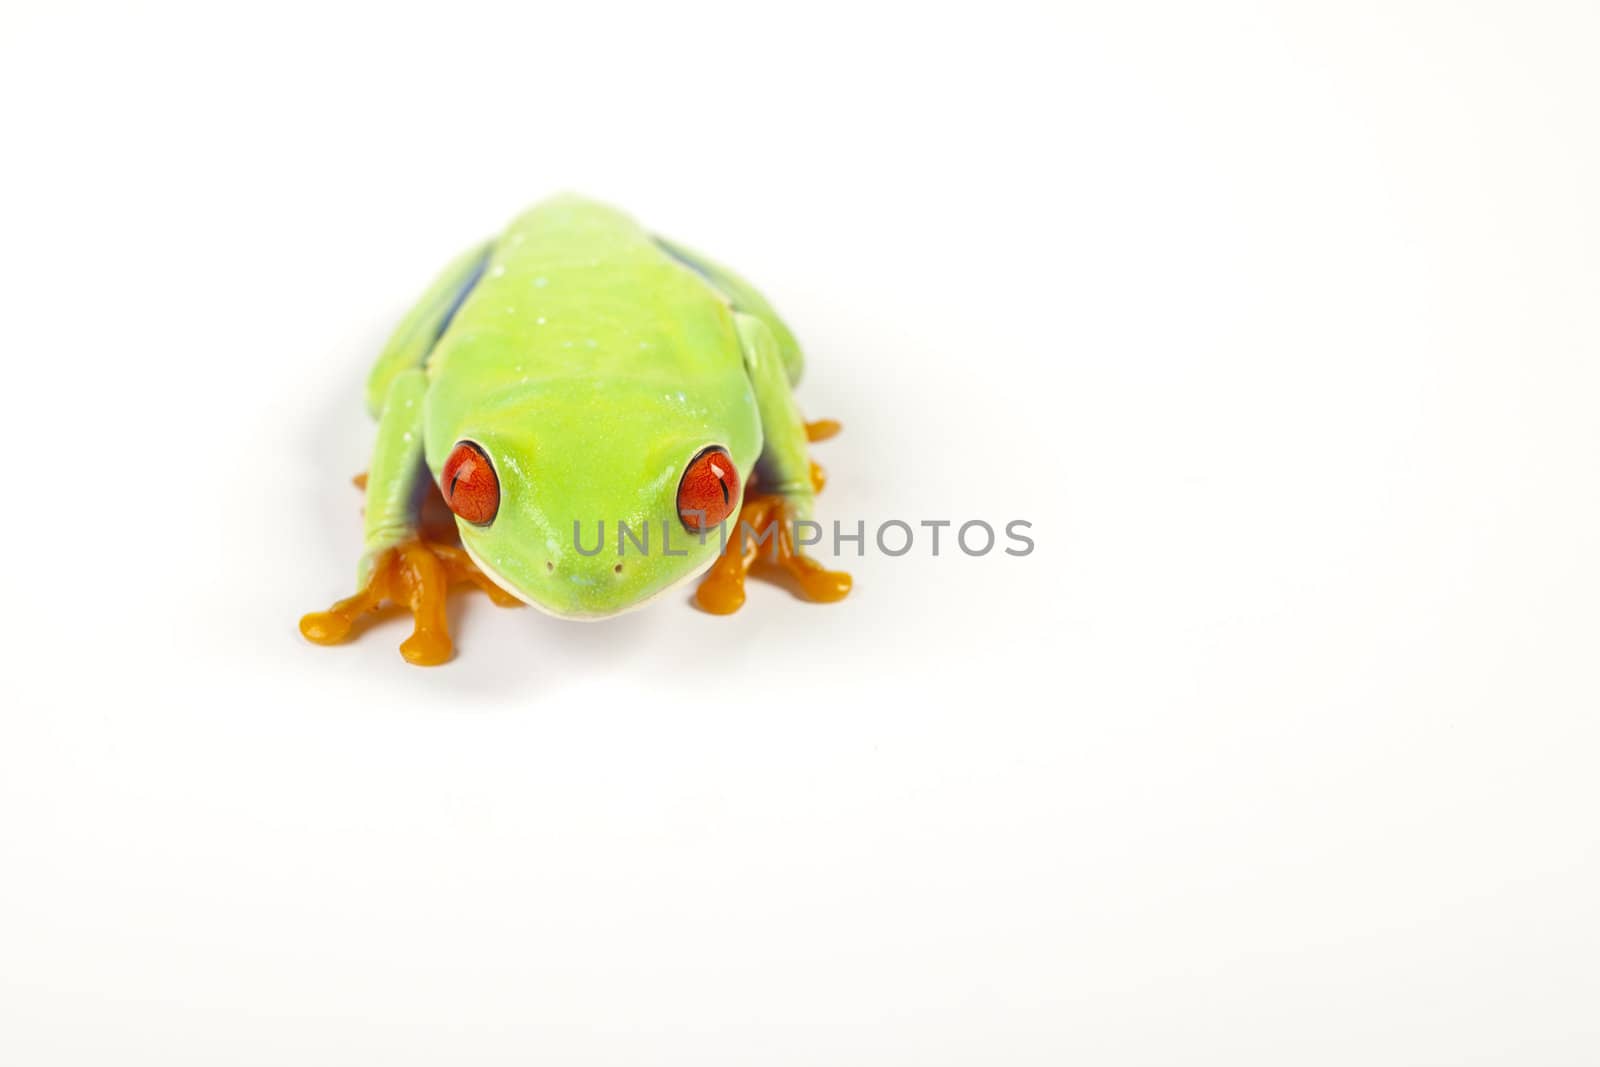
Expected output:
(598, 616)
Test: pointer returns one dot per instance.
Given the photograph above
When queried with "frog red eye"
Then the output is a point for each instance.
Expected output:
(709, 490)
(469, 484)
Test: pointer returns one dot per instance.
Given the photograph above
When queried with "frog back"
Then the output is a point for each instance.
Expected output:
(583, 336)
(575, 291)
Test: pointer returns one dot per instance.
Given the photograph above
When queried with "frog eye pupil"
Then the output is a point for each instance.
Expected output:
(709, 490)
(469, 484)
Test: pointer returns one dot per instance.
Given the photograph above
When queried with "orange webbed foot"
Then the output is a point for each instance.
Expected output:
(416, 575)
(815, 581)
(763, 539)
(721, 591)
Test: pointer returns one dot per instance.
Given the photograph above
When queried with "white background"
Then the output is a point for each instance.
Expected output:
(1279, 322)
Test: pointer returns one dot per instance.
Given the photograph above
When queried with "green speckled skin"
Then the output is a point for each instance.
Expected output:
(592, 362)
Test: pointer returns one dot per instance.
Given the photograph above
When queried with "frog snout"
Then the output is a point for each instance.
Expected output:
(577, 575)
(581, 569)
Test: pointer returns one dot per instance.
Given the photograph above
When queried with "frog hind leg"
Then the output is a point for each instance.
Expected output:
(413, 339)
(744, 298)
(781, 491)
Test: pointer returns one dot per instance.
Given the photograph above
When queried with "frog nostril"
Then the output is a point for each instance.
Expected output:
(617, 569)
(549, 565)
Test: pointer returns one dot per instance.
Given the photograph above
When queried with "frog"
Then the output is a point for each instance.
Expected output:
(581, 415)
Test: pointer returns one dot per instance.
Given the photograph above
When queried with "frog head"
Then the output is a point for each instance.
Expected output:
(587, 499)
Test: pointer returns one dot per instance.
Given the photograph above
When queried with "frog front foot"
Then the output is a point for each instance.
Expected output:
(416, 575)
(763, 540)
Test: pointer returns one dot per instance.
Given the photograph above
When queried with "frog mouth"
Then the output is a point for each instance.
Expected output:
(582, 616)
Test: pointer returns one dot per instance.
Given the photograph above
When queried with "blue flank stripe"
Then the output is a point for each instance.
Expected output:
(461, 296)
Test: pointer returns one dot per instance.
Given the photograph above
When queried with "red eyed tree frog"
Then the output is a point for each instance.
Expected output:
(590, 401)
